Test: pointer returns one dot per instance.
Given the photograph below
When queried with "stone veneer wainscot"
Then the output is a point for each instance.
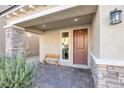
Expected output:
(107, 75)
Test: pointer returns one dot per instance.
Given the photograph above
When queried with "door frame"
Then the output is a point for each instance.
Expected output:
(87, 45)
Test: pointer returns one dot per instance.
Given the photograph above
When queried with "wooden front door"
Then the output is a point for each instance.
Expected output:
(80, 46)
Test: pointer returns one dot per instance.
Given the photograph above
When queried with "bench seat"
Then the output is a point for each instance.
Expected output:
(54, 58)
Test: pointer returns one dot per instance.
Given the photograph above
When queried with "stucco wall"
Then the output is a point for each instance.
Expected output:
(2, 35)
(111, 36)
(50, 42)
(96, 34)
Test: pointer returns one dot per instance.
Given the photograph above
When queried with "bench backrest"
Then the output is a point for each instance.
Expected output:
(56, 56)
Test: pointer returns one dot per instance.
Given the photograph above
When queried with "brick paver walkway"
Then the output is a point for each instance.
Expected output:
(50, 76)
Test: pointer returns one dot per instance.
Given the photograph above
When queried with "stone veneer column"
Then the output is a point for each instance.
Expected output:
(14, 41)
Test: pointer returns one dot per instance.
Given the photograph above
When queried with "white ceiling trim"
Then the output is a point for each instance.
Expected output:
(42, 13)
(7, 26)
(13, 10)
(26, 29)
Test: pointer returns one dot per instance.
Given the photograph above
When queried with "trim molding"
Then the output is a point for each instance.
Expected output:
(7, 26)
(43, 13)
(106, 62)
(15, 8)
(24, 29)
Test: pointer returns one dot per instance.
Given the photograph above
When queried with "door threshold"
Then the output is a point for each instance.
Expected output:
(80, 66)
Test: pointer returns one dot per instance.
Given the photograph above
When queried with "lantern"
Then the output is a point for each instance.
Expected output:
(115, 16)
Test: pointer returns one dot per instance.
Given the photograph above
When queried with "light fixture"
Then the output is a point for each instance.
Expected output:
(75, 19)
(28, 34)
(22, 10)
(7, 16)
(115, 16)
(32, 7)
(43, 25)
(15, 14)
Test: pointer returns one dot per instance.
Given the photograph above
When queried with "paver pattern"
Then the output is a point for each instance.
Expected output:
(50, 76)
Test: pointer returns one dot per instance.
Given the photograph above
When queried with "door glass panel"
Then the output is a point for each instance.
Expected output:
(65, 45)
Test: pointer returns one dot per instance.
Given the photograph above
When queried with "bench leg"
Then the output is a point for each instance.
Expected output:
(57, 64)
(45, 62)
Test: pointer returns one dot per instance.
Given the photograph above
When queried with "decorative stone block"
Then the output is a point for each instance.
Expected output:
(114, 85)
(101, 86)
(101, 67)
(121, 75)
(119, 69)
(112, 74)
(101, 81)
(111, 79)
(121, 80)
(110, 68)
(99, 76)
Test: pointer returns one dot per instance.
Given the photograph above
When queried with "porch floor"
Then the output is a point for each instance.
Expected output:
(50, 76)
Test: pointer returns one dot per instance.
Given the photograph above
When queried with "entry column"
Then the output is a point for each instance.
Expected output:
(14, 41)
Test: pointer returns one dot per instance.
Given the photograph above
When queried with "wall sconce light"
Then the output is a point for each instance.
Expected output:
(28, 34)
(115, 16)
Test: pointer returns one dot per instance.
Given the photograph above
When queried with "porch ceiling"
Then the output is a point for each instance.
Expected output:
(81, 20)
(64, 18)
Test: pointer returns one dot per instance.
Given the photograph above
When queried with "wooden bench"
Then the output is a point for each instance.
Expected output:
(52, 57)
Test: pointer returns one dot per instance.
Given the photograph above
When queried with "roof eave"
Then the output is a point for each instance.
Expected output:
(10, 10)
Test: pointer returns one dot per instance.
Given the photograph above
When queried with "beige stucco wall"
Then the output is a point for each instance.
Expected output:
(111, 36)
(50, 42)
(96, 34)
(2, 31)
(2, 35)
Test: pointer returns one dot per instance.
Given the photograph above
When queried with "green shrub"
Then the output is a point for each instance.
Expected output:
(15, 72)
